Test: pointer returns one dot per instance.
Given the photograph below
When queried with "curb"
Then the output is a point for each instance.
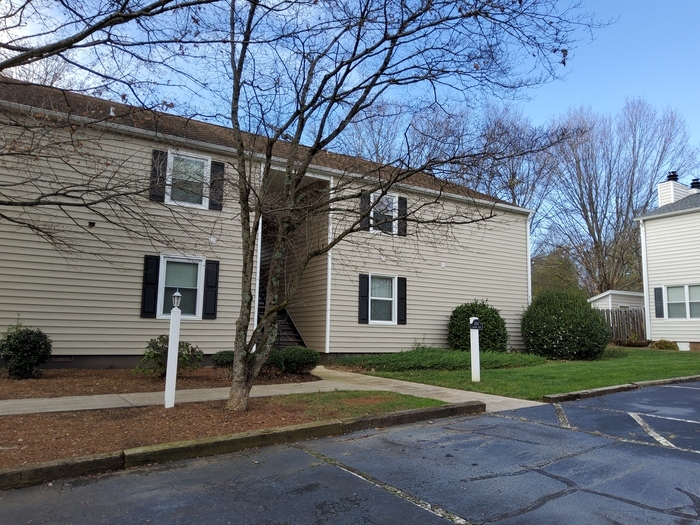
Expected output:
(595, 392)
(15, 478)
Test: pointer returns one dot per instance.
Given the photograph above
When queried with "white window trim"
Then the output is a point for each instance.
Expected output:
(686, 289)
(395, 222)
(164, 258)
(394, 300)
(205, 180)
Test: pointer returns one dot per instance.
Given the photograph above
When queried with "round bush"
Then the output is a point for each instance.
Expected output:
(563, 325)
(23, 349)
(494, 336)
(664, 344)
(293, 359)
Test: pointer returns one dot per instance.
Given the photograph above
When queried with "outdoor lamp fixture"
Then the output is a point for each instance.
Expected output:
(177, 297)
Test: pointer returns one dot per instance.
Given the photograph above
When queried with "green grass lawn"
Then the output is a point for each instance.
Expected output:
(532, 380)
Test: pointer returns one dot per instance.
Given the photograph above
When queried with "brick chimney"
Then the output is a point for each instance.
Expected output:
(671, 190)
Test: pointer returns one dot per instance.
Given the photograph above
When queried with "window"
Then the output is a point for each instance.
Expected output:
(382, 300)
(683, 302)
(384, 213)
(194, 277)
(187, 179)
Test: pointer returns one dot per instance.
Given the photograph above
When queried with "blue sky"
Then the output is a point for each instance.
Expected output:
(651, 51)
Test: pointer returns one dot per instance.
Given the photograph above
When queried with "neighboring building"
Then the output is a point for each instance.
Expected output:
(617, 300)
(670, 264)
(381, 290)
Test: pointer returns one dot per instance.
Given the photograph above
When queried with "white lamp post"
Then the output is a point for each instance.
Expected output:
(474, 327)
(173, 344)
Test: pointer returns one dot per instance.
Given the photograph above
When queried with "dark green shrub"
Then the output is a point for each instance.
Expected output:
(155, 358)
(664, 344)
(494, 336)
(293, 359)
(563, 325)
(223, 359)
(23, 349)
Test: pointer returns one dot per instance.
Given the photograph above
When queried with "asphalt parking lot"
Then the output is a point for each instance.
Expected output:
(624, 458)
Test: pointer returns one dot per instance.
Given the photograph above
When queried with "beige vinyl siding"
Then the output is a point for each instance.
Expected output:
(615, 299)
(673, 255)
(90, 304)
(307, 307)
(485, 260)
(632, 301)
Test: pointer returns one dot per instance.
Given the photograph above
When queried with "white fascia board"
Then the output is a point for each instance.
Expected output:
(669, 214)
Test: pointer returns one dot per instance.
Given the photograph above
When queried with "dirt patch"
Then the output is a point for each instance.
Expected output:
(34, 438)
(75, 382)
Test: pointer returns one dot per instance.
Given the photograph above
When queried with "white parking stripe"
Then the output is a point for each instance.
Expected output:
(658, 437)
(561, 416)
(684, 387)
(673, 419)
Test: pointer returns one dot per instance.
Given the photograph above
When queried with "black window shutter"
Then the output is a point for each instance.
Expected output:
(159, 168)
(401, 305)
(363, 310)
(403, 213)
(216, 186)
(149, 293)
(364, 210)
(659, 301)
(211, 289)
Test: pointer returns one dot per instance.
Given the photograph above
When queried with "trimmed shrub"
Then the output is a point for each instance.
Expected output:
(155, 358)
(563, 325)
(664, 344)
(293, 359)
(223, 359)
(23, 349)
(494, 336)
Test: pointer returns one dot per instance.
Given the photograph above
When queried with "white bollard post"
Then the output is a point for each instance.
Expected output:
(171, 370)
(474, 327)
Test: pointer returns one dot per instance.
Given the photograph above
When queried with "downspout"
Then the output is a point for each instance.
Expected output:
(329, 267)
(645, 279)
(529, 260)
(258, 252)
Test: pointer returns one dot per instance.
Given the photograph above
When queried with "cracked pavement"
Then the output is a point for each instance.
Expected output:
(625, 458)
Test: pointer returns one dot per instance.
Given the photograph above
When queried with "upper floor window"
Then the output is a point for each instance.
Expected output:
(187, 180)
(385, 211)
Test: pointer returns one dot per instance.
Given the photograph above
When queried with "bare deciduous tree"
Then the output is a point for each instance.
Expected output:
(607, 176)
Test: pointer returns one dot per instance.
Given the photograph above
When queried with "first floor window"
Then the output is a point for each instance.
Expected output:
(196, 279)
(683, 302)
(382, 299)
(184, 277)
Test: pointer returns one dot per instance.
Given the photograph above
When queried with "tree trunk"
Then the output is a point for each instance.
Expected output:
(239, 393)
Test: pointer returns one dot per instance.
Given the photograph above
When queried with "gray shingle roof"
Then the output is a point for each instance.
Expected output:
(684, 205)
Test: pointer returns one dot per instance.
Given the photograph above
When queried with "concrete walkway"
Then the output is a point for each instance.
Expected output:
(331, 380)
